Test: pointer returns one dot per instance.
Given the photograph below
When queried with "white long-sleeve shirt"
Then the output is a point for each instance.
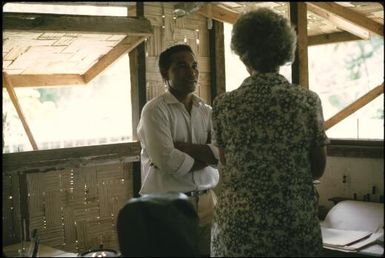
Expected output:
(165, 120)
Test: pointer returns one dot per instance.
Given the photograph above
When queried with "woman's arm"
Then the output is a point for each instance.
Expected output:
(222, 157)
(318, 161)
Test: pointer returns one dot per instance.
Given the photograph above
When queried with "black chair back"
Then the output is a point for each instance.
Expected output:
(158, 225)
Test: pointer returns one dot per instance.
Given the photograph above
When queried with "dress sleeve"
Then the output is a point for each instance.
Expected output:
(320, 138)
(217, 126)
(212, 143)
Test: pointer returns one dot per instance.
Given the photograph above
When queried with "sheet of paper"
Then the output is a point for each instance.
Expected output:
(368, 241)
(339, 237)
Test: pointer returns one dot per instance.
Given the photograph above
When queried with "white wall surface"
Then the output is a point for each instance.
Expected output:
(361, 175)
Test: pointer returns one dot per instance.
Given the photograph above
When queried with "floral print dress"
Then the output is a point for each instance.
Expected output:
(267, 204)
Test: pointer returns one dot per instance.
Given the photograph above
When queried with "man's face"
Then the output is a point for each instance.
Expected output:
(183, 73)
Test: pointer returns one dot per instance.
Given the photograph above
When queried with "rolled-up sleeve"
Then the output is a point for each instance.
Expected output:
(155, 134)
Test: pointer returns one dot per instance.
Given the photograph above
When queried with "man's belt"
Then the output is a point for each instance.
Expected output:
(196, 193)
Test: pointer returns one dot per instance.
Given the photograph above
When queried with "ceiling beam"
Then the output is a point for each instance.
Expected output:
(224, 15)
(356, 105)
(218, 13)
(49, 80)
(16, 103)
(42, 22)
(101, 4)
(347, 19)
(126, 45)
(329, 38)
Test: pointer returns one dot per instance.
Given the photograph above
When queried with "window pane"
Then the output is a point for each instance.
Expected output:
(343, 72)
(67, 116)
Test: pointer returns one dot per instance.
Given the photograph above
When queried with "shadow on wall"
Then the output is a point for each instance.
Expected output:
(352, 178)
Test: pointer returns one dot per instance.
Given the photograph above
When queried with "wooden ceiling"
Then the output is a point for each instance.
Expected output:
(350, 20)
(51, 49)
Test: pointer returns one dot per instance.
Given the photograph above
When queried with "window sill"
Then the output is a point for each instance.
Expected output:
(356, 148)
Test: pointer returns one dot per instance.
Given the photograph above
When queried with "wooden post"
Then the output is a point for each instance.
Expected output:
(12, 94)
(217, 60)
(299, 69)
(138, 95)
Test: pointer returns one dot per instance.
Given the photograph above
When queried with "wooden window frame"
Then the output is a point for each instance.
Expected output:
(356, 148)
(337, 147)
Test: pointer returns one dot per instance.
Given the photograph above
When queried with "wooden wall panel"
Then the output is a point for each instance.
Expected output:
(11, 210)
(73, 209)
(187, 29)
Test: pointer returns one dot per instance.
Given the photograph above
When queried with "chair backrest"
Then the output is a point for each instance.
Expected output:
(355, 215)
(158, 225)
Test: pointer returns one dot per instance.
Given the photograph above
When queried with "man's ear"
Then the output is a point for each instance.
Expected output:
(164, 74)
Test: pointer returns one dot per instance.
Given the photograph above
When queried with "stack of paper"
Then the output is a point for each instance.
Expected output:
(344, 240)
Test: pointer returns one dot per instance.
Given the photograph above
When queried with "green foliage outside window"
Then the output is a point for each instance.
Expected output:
(357, 64)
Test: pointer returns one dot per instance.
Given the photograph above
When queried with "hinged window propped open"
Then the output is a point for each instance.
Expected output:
(52, 49)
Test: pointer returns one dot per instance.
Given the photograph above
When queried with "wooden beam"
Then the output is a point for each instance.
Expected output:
(37, 80)
(55, 159)
(88, 3)
(138, 97)
(329, 38)
(15, 101)
(41, 22)
(347, 19)
(217, 61)
(359, 103)
(218, 13)
(137, 59)
(125, 46)
(298, 18)
(135, 110)
(356, 148)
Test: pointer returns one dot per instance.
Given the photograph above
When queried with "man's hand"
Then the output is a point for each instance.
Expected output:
(200, 152)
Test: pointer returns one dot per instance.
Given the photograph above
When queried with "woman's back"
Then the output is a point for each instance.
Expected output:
(267, 199)
(271, 142)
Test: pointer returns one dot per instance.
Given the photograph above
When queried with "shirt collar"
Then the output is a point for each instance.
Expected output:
(171, 99)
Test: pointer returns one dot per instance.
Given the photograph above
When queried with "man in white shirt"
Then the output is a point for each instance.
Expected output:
(175, 132)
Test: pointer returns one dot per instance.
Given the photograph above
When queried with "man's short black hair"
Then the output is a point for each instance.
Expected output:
(165, 56)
